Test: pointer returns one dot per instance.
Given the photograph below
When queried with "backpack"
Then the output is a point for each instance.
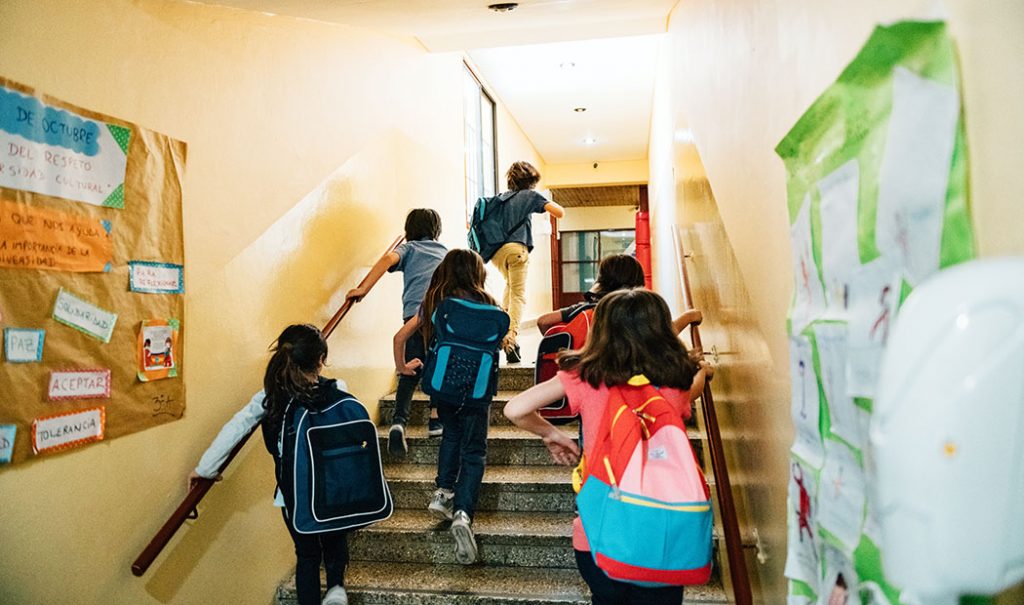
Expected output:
(487, 227)
(644, 504)
(462, 362)
(330, 472)
(570, 335)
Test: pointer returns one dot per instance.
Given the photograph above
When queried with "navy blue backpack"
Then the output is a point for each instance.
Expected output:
(487, 232)
(331, 474)
(462, 364)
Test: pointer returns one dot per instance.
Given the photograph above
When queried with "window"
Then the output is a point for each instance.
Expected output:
(582, 252)
(481, 172)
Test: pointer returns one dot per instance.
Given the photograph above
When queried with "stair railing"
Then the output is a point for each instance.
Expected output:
(199, 488)
(730, 524)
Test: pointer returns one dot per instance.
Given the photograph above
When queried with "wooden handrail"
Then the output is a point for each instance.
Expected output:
(730, 523)
(187, 508)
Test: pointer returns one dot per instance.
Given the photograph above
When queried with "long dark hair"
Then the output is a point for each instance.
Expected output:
(292, 369)
(462, 274)
(632, 334)
(617, 272)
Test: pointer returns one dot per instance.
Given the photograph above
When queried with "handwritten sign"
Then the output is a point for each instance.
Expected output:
(63, 431)
(79, 384)
(53, 151)
(84, 316)
(156, 278)
(23, 345)
(50, 240)
(7, 434)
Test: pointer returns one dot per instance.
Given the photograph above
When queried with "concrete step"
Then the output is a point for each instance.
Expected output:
(389, 583)
(505, 488)
(506, 445)
(513, 539)
(517, 377)
(419, 409)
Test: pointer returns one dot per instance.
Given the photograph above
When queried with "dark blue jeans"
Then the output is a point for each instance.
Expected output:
(414, 349)
(606, 591)
(310, 549)
(463, 452)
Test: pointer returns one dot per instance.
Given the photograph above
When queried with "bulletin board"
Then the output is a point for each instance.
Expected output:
(91, 276)
(878, 202)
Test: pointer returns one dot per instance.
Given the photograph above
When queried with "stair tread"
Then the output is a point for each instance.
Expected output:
(509, 432)
(485, 523)
(430, 583)
(555, 475)
(418, 395)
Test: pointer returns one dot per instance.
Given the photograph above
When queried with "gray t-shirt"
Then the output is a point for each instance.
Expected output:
(520, 205)
(417, 261)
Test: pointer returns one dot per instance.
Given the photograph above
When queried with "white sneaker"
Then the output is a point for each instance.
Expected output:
(441, 504)
(335, 596)
(397, 446)
(465, 541)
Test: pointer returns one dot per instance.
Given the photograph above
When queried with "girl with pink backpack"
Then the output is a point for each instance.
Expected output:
(639, 475)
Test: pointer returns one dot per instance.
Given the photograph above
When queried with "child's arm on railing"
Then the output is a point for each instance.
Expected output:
(704, 374)
(379, 269)
(688, 318)
(522, 411)
(230, 434)
(401, 337)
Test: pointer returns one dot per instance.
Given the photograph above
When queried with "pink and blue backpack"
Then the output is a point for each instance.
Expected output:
(644, 503)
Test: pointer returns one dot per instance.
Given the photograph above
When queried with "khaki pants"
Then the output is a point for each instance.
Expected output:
(511, 259)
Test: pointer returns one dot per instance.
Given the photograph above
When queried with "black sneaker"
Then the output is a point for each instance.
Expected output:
(434, 427)
(397, 446)
(512, 355)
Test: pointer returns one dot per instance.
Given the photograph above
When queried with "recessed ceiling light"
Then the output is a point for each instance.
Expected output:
(503, 7)
(567, 65)
(589, 141)
(579, 109)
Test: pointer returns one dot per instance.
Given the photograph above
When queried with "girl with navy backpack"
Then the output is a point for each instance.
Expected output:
(632, 335)
(462, 454)
(293, 373)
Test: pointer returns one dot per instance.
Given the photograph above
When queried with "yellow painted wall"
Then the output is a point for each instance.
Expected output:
(739, 75)
(606, 173)
(305, 150)
(598, 217)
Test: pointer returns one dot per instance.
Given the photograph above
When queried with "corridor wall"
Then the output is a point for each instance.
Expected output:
(305, 149)
(736, 77)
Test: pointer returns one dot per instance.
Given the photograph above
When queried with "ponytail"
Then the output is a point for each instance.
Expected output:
(298, 353)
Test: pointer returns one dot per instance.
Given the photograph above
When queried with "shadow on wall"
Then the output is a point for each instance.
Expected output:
(299, 269)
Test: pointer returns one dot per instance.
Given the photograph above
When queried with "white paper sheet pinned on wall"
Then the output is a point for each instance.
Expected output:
(79, 384)
(874, 300)
(846, 420)
(805, 406)
(802, 560)
(84, 316)
(808, 296)
(63, 431)
(914, 175)
(839, 253)
(841, 495)
(23, 345)
(8, 432)
(839, 583)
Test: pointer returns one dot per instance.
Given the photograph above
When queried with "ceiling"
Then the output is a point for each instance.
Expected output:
(615, 195)
(613, 44)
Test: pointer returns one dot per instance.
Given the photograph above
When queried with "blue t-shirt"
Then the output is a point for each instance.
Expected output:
(520, 205)
(417, 261)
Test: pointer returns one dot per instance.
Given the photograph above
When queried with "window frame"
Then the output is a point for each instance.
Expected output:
(480, 179)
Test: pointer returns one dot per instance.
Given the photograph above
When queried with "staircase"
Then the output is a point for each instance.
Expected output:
(523, 525)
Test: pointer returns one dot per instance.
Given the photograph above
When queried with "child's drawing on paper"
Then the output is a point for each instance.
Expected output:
(805, 406)
(874, 299)
(809, 295)
(802, 560)
(158, 356)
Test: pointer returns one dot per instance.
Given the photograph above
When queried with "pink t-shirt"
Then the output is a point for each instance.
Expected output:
(590, 404)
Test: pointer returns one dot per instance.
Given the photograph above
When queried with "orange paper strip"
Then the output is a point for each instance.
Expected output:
(39, 238)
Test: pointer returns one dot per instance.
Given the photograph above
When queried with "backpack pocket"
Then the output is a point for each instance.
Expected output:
(346, 475)
(460, 374)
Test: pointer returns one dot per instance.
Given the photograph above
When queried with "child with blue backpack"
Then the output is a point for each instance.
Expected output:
(292, 374)
(632, 335)
(462, 454)
(416, 258)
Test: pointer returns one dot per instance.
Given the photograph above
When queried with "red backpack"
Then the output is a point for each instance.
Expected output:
(570, 335)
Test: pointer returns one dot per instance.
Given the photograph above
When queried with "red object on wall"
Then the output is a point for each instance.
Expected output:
(643, 244)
